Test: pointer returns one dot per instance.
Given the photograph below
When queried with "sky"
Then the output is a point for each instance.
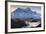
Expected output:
(34, 8)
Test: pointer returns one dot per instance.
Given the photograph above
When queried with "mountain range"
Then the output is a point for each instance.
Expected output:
(21, 13)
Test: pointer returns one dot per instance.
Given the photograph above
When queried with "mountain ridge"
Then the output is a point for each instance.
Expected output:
(24, 13)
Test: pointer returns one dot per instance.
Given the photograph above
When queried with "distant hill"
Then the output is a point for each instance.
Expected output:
(24, 14)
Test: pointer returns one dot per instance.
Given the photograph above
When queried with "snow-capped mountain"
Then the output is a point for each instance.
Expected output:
(24, 14)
